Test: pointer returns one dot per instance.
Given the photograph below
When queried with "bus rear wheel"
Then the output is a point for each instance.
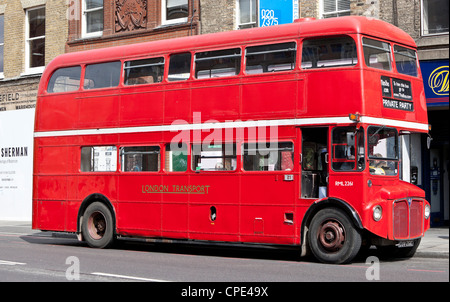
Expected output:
(332, 237)
(97, 227)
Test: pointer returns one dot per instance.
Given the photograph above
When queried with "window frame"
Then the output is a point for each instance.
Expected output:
(123, 157)
(278, 148)
(423, 24)
(252, 23)
(165, 21)
(359, 134)
(337, 12)
(354, 60)
(125, 68)
(84, 73)
(246, 54)
(91, 159)
(60, 69)
(84, 15)
(28, 68)
(169, 65)
(235, 56)
(371, 156)
(196, 153)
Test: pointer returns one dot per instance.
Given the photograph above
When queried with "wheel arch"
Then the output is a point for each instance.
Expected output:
(96, 197)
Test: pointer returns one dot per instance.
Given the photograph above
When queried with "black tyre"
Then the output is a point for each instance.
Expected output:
(332, 237)
(98, 226)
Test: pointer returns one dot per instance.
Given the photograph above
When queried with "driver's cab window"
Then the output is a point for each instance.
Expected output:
(347, 149)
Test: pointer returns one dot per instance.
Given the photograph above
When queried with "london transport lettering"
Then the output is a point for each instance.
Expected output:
(176, 189)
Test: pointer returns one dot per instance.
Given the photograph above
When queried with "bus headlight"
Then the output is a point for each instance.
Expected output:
(377, 213)
(427, 211)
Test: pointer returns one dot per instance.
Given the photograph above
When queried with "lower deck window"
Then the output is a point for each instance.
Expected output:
(214, 157)
(269, 156)
(99, 159)
(140, 159)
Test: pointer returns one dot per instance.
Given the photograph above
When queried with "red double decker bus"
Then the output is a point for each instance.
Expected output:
(286, 135)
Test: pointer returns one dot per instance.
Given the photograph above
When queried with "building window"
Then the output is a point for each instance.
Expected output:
(174, 11)
(35, 40)
(92, 18)
(247, 16)
(434, 17)
(335, 8)
(2, 40)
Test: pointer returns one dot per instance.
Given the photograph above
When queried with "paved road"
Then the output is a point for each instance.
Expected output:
(27, 255)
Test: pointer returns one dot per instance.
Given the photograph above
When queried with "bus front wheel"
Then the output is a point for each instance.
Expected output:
(332, 237)
(97, 227)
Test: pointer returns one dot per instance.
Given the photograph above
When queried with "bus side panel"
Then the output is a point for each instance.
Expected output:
(141, 106)
(269, 96)
(336, 92)
(139, 207)
(52, 164)
(214, 211)
(216, 100)
(267, 208)
(177, 103)
(99, 109)
(175, 206)
(56, 112)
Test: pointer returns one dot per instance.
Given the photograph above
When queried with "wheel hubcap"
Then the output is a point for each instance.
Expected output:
(97, 225)
(331, 235)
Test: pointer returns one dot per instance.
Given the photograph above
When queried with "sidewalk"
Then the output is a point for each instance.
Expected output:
(435, 243)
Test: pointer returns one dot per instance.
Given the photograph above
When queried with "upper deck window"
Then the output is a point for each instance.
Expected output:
(270, 58)
(65, 79)
(377, 54)
(102, 75)
(220, 63)
(179, 67)
(329, 52)
(405, 60)
(144, 71)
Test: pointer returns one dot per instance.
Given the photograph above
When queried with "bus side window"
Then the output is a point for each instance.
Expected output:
(219, 63)
(140, 159)
(144, 71)
(99, 159)
(329, 52)
(269, 156)
(176, 157)
(270, 58)
(214, 157)
(102, 75)
(65, 80)
(179, 67)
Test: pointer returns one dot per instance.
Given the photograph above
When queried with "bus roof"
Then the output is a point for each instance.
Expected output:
(300, 28)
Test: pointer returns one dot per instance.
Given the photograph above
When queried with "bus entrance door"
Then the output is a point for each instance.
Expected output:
(314, 181)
